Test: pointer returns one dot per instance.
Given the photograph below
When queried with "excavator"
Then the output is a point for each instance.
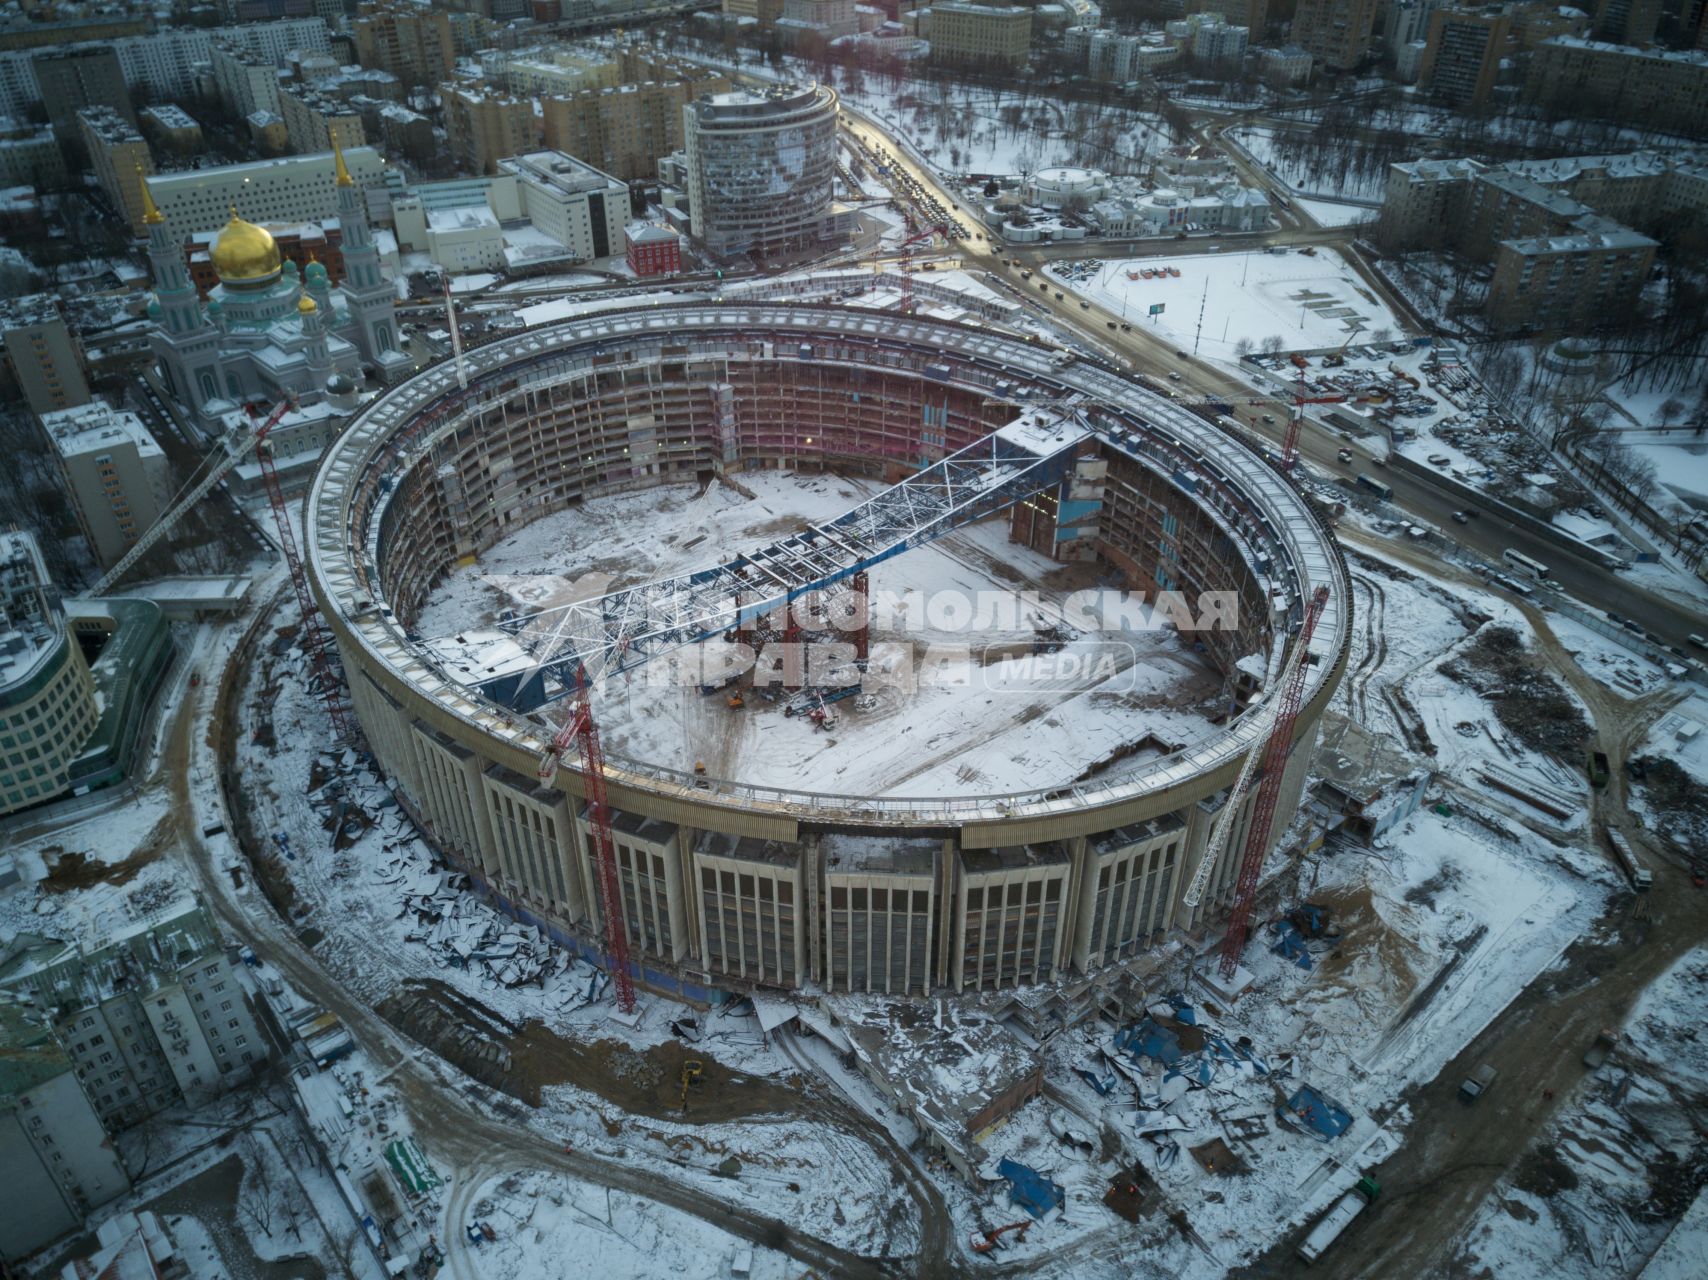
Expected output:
(983, 1242)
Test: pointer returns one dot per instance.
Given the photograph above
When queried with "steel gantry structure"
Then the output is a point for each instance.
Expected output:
(613, 633)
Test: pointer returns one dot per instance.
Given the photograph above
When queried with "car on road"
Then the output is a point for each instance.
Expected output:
(1269, 419)
(1109, 323)
(1459, 517)
(1344, 455)
(1126, 328)
(1083, 306)
(1058, 295)
(1174, 375)
(1184, 355)
(1697, 640)
(1477, 1083)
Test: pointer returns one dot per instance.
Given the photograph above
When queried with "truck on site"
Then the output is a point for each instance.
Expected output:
(1338, 1218)
(1641, 877)
(1477, 1083)
(1597, 768)
(1597, 1054)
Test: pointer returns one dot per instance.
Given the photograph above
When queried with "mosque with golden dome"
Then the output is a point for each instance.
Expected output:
(267, 331)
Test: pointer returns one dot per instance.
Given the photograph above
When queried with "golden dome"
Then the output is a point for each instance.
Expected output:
(305, 305)
(244, 252)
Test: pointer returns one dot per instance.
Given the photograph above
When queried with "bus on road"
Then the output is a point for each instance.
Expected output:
(1376, 487)
(1525, 565)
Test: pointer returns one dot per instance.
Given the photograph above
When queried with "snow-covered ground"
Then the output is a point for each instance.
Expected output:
(1307, 301)
(1599, 1192)
(944, 716)
(1330, 213)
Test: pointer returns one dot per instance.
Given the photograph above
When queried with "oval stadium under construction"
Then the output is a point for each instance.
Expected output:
(860, 823)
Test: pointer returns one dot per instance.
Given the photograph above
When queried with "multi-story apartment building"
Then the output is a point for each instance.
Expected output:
(979, 35)
(761, 167)
(826, 19)
(575, 204)
(119, 157)
(47, 695)
(411, 40)
(1626, 21)
(165, 62)
(171, 129)
(315, 120)
(624, 131)
(43, 353)
(1549, 227)
(152, 1016)
(483, 126)
(30, 155)
(1463, 54)
(56, 1157)
(1587, 279)
(115, 474)
(1336, 33)
(1654, 87)
(541, 71)
(245, 81)
(292, 189)
(84, 76)
(764, 12)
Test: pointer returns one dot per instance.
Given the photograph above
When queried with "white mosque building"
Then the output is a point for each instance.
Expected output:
(266, 332)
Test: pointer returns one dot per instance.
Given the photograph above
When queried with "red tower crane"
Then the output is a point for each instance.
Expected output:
(906, 251)
(1275, 753)
(1297, 422)
(313, 634)
(578, 727)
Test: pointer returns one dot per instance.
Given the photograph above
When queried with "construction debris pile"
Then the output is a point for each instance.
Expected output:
(460, 930)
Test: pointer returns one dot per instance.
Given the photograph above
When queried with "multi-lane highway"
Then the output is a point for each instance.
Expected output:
(1415, 497)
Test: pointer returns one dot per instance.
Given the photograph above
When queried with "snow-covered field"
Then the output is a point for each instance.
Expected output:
(1307, 301)
(944, 717)
(1599, 1192)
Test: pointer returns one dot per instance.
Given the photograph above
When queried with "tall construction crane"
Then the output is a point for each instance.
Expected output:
(1276, 726)
(906, 251)
(578, 728)
(237, 446)
(1275, 754)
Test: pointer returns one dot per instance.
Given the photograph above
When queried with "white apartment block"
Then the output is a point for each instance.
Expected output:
(287, 190)
(57, 1161)
(115, 474)
(155, 1015)
(166, 60)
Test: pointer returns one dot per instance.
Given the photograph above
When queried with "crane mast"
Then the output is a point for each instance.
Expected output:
(1275, 754)
(579, 729)
(1219, 833)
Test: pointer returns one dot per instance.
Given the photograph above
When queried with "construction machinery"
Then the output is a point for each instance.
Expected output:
(982, 1242)
(238, 446)
(578, 728)
(692, 1070)
(1272, 746)
(1296, 424)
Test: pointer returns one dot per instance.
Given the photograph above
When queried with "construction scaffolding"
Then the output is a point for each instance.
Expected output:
(614, 633)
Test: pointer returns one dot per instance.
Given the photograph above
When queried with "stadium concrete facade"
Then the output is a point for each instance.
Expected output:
(726, 885)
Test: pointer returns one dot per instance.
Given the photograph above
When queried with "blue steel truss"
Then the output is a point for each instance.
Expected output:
(611, 634)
